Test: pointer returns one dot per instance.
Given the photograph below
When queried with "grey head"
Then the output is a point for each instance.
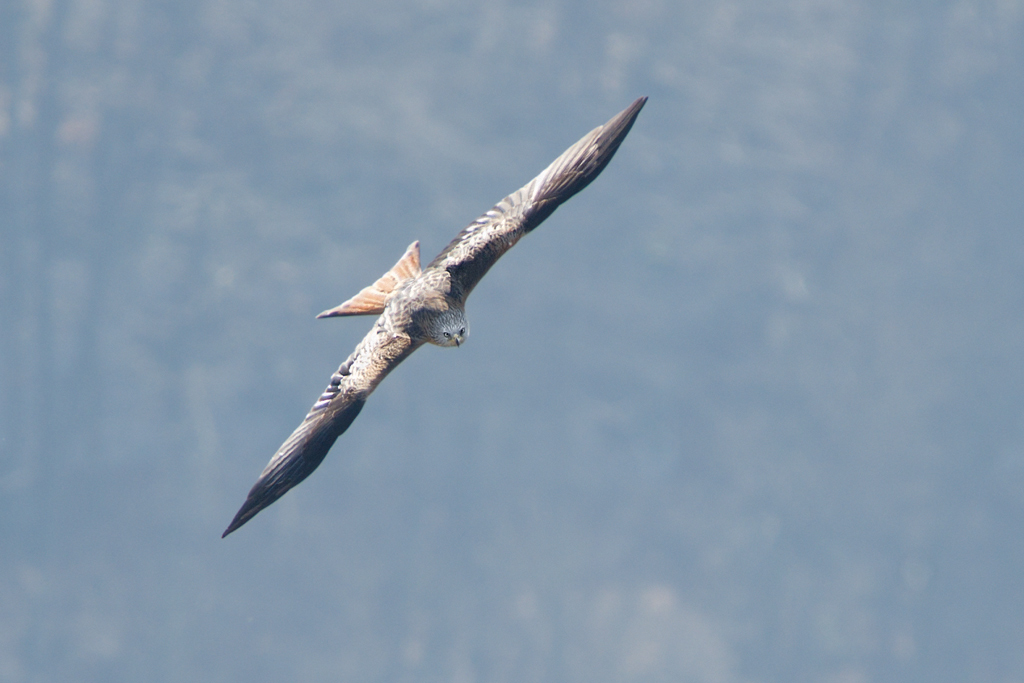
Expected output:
(447, 328)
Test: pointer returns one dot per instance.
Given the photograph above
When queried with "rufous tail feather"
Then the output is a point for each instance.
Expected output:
(371, 300)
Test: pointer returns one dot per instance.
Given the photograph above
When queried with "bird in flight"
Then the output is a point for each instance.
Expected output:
(427, 306)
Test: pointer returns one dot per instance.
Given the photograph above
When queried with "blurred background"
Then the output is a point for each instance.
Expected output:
(749, 408)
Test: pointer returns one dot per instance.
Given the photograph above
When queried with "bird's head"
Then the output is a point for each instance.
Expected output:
(449, 328)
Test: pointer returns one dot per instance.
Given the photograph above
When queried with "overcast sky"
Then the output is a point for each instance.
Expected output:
(748, 408)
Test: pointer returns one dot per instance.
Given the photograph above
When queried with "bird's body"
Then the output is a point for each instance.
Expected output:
(427, 306)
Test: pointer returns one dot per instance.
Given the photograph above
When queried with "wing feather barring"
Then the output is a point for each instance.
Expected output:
(417, 306)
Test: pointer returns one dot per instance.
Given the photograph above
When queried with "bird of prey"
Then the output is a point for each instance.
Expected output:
(427, 306)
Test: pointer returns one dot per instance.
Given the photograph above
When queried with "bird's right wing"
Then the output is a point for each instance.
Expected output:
(474, 250)
(303, 451)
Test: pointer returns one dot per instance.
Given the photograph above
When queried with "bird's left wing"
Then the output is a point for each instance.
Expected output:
(374, 357)
(474, 250)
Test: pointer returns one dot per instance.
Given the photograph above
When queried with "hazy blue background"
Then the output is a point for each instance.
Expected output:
(749, 408)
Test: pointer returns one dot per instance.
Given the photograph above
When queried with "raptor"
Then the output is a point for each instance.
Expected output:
(418, 306)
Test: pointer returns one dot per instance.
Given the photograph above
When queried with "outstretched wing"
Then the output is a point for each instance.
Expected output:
(374, 357)
(466, 259)
(471, 254)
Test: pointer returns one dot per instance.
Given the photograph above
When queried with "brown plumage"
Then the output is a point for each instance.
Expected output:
(417, 307)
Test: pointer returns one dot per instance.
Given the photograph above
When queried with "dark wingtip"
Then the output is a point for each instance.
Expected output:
(620, 125)
(231, 527)
(579, 165)
(271, 486)
(244, 514)
(302, 453)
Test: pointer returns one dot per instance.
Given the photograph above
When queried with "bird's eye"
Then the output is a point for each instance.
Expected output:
(462, 331)
(446, 335)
